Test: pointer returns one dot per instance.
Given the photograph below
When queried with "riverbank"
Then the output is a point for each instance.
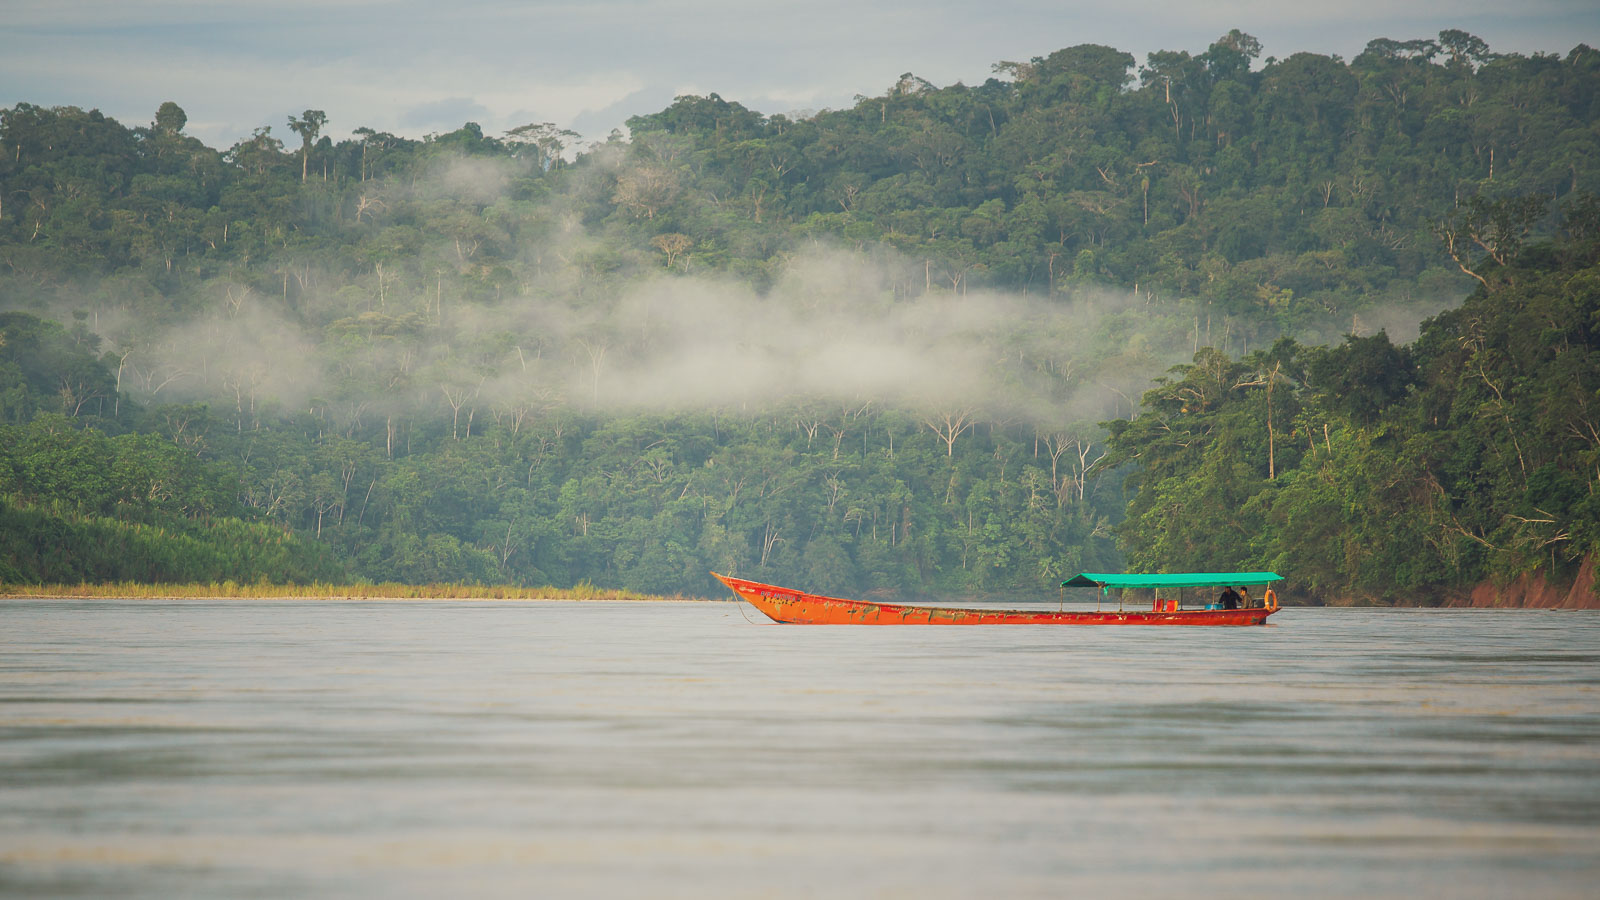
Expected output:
(1526, 592)
(228, 590)
(1534, 592)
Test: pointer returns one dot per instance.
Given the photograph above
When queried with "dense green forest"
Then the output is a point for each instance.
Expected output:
(1378, 471)
(868, 350)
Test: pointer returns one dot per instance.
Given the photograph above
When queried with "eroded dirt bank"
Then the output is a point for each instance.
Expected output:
(1534, 592)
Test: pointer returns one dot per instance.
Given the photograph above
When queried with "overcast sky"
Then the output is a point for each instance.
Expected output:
(415, 67)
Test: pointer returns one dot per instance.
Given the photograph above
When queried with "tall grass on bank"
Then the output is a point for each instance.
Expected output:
(317, 590)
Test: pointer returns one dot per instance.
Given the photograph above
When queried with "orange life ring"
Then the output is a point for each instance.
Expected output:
(1270, 599)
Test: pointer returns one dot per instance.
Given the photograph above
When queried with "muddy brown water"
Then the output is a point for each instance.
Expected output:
(420, 749)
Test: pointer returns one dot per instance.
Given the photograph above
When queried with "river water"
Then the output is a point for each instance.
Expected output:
(421, 749)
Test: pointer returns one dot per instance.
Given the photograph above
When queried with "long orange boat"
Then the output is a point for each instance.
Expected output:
(791, 607)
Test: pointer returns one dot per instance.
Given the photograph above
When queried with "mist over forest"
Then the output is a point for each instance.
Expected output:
(1205, 311)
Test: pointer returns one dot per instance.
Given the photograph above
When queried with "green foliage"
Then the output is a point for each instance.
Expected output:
(1363, 376)
(1399, 472)
(55, 543)
(368, 343)
(47, 368)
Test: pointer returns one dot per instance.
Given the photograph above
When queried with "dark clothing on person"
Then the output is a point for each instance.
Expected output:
(1229, 599)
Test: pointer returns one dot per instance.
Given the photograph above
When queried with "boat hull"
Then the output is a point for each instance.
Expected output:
(791, 607)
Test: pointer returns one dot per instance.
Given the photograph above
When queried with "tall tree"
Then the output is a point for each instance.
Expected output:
(308, 126)
(170, 118)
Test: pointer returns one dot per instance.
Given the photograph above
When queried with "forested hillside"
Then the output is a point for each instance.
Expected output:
(1384, 472)
(862, 350)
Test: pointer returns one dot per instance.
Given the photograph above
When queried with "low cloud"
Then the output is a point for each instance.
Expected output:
(833, 328)
(435, 326)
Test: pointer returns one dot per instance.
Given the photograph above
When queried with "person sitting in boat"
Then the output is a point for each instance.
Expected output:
(1229, 599)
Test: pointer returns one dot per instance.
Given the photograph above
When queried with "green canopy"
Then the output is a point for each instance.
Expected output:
(1179, 579)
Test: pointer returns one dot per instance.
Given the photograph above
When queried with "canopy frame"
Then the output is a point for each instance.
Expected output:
(1104, 580)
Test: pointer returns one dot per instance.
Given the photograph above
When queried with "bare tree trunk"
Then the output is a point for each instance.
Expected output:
(1272, 445)
(769, 539)
(949, 426)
